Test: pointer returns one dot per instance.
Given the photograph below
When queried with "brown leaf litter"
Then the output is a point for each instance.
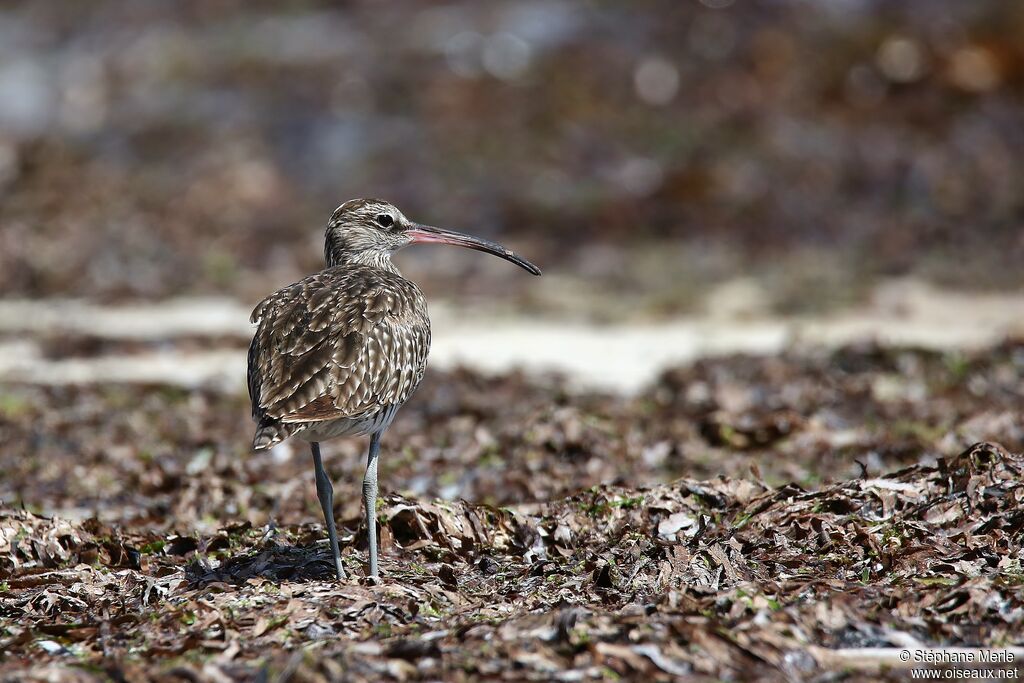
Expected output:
(721, 579)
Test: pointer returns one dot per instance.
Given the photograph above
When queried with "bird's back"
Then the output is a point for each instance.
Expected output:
(336, 352)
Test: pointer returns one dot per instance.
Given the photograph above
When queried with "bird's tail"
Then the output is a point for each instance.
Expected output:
(270, 434)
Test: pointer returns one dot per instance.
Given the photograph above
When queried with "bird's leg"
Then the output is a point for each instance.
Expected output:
(325, 492)
(370, 500)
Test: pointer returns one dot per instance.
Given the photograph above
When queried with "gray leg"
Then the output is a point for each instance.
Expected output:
(325, 492)
(370, 500)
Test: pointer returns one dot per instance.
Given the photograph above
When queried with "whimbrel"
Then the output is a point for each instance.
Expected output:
(339, 352)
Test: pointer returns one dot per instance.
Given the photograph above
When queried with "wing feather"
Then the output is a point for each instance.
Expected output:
(344, 343)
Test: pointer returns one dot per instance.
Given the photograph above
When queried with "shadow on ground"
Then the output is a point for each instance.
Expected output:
(277, 564)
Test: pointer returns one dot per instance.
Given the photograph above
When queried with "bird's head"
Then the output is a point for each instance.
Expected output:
(370, 230)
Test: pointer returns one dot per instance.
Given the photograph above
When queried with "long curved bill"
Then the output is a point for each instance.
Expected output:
(425, 233)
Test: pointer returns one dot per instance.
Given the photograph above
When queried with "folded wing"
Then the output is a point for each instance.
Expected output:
(344, 343)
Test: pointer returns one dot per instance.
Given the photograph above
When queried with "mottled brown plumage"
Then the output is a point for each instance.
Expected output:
(339, 352)
(336, 351)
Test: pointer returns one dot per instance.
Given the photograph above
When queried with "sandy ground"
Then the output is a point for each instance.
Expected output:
(621, 358)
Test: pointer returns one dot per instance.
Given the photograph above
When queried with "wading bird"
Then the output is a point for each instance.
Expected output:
(339, 352)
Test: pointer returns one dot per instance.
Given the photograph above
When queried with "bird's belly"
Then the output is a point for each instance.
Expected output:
(329, 429)
(349, 426)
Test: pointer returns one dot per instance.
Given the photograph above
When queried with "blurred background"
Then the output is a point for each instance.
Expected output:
(648, 150)
(694, 177)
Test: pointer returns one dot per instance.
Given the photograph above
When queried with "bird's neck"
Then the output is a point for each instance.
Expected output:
(373, 259)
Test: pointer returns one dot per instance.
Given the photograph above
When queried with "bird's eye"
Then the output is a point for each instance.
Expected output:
(385, 220)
